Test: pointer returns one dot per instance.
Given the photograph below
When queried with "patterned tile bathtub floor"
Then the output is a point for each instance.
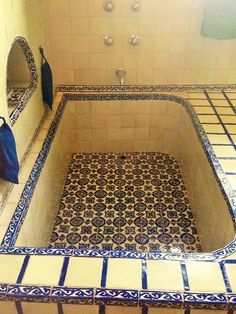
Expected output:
(133, 201)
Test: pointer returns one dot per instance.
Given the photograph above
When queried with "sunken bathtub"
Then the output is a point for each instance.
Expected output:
(119, 124)
(143, 136)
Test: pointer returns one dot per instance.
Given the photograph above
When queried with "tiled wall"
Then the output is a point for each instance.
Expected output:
(37, 227)
(171, 50)
(28, 19)
(213, 219)
(114, 126)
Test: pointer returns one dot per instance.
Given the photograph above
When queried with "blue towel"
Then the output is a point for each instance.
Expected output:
(9, 165)
(47, 84)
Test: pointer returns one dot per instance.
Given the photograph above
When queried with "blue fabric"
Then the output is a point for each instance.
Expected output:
(9, 165)
(47, 84)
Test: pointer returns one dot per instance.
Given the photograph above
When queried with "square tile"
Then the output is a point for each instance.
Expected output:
(124, 274)
(43, 270)
(10, 267)
(205, 277)
(164, 275)
(84, 272)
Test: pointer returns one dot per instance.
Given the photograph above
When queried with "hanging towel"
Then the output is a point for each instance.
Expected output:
(219, 20)
(47, 80)
(9, 165)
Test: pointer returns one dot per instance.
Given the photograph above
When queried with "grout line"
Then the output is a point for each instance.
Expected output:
(227, 145)
(102, 309)
(145, 310)
(218, 116)
(19, 307)
(144, 274)
(23, 269)
(225, 277)
(230, 261)
(60, 308)
(64, 271)
(104, 272)
(185, 276)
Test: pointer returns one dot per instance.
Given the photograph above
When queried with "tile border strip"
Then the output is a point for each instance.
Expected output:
(144, 88)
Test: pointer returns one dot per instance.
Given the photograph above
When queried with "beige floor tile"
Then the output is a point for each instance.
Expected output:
(228, 119)
(200, 110)
(231, 128)
(217, 95)
(218, 139)
(199, 102)
(224, 151)
(196, 95)
(220, 102)
(124, 273)
(208, 119)
(213, 128)
(228, 165)
(232, 181)
(205, 277)
(222, 110)
(84, 272)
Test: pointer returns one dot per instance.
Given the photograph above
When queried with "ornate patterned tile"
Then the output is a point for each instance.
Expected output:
(130, 201)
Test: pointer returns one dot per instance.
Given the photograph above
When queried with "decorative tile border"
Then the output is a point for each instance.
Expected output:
(34, 78)
(200, 300)
(161, 299)
(144, 88)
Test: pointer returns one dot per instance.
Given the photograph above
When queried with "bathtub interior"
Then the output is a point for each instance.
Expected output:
(118, 126)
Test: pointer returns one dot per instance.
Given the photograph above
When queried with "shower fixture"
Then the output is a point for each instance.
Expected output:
(108, 40)
(134, 40)
(120, 72)
(108, 5)
(135, 6)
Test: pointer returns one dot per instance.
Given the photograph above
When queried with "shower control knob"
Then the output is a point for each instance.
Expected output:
(108, 5)
(108, 40)
(135, 6)
(134, 40)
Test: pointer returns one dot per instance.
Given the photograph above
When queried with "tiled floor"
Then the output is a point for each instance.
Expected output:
(133, 201)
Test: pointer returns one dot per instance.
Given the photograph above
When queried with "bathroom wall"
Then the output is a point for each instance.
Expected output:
(42, 210)
(28, 19)
(164, 126)
(171, 50)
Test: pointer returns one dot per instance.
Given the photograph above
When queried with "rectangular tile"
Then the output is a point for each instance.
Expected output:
(205, 277)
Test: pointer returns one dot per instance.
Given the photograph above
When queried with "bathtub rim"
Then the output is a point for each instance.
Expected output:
(7, 248)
